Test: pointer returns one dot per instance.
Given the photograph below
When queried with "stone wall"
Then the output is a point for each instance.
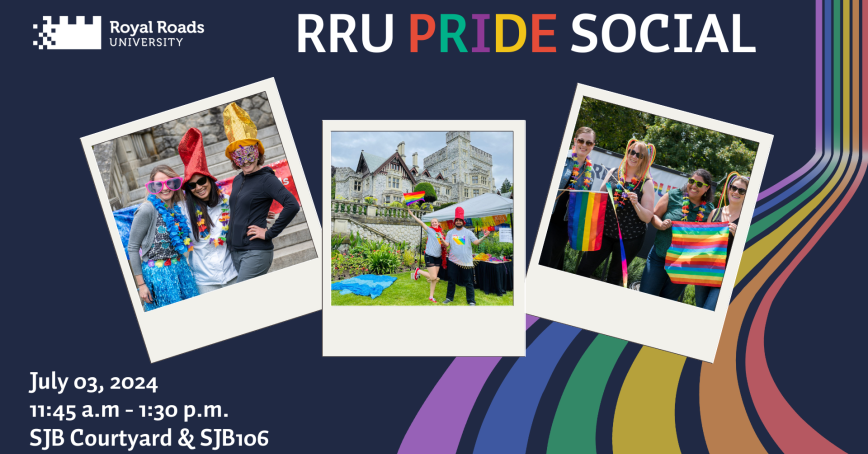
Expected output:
(399, 232)
(210, 122)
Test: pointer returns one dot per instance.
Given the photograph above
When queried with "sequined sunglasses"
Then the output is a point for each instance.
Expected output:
(738, 190)
(582, 142)
(698, 184)
(156, 187)
(200, 182)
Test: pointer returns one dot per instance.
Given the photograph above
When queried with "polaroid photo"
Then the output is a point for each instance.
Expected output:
(427, 238)
(645, 222)
(211, 218)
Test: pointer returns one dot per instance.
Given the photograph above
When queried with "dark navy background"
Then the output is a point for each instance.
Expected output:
(66, 308)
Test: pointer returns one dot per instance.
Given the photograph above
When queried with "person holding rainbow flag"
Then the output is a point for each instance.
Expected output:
(460, 267)
(435, 254)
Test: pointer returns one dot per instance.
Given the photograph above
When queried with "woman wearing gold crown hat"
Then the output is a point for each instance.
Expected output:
(253, 191)
(208, 218)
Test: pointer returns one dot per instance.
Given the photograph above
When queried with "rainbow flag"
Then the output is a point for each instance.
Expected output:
(413, 197)
(697, 255)
(459, 240)
(585, 217)
(624, 272)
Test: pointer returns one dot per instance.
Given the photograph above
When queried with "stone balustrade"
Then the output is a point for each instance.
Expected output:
(379, 211)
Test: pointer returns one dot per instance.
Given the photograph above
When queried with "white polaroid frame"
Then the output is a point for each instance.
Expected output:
(238, 309)
(428, 330)
(628, 314)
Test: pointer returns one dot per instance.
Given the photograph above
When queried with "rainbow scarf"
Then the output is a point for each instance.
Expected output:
(413, 197)
(585, 217)
(620, 239)
(697, 255)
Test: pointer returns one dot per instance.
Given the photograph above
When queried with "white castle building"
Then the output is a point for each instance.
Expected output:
(458, 171)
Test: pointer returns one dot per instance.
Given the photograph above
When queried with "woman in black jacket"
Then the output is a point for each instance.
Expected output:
(253, 190)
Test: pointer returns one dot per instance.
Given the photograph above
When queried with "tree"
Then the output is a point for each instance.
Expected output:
(333, 188)
(430, 193)
(685, 148)
(614, 125)
(506, 186)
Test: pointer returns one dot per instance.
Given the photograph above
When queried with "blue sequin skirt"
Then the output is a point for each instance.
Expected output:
(169, 284)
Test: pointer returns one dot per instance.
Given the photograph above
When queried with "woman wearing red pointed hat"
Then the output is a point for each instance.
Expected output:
(460, 268)
(208, 217)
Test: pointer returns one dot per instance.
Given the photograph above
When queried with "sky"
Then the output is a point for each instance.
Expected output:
(346, 147)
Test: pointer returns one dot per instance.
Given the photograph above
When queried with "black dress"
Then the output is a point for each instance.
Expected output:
(632, 232)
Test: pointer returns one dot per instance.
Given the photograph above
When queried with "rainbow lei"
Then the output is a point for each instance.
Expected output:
(174, 217)
(685, 209)
(224, 220)
(623, 187)
(587, 175)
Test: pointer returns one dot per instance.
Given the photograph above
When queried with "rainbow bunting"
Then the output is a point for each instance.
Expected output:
(697, 255)
(620, 238)
(413, 197)
(585, 217)
(458, 240)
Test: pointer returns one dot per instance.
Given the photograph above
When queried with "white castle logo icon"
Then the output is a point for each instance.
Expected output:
(69, 36)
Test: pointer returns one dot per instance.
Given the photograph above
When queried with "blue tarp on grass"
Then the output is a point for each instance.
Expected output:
(364, 285)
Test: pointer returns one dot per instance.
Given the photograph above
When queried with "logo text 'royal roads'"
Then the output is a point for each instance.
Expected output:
(66, 36)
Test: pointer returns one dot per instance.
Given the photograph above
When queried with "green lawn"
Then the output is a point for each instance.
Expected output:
(407, 292)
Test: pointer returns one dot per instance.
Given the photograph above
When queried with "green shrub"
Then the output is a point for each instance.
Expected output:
(409, 257)
(337, 240)
(371, 200)
(383, 262)
(430, 193)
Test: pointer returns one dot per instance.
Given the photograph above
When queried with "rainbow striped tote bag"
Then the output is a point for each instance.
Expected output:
(697, 255)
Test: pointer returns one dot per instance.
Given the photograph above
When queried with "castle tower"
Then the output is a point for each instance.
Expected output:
(400, 151)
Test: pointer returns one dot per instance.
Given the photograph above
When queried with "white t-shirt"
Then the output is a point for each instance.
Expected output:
(211, 265)
(432, 247)
(461, 254)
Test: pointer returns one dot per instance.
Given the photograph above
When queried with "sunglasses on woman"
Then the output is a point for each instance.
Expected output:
(156, 187)
(738, 190)
(636, 154)
(698, 184)
(582, 142)
(200, 182)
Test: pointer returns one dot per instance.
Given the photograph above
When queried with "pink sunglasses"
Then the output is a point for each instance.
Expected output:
(156, 187)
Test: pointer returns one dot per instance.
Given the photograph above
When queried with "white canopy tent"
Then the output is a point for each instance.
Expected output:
(477, 207)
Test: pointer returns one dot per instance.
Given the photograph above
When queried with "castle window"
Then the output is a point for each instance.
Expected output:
(447, 191)
(475, 192)
(466, 193)
(357, 186)
(475, 179)
(387, 199)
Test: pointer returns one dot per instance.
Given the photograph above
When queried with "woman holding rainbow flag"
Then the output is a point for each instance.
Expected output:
(728, 210)
(633, 194)
(578, 173)
(687, 204)
(435, 254)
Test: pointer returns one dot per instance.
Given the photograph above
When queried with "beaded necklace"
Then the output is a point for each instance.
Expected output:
(587, 175)
(204, 233)
(685, 209)
(180, 237)
(623, 187)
